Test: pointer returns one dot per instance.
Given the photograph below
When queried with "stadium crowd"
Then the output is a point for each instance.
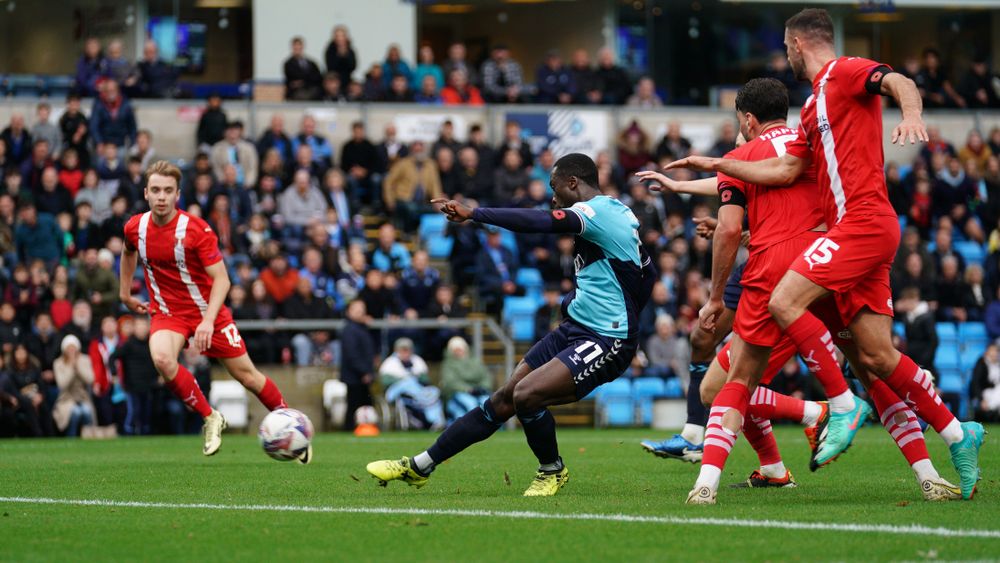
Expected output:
(289, 209)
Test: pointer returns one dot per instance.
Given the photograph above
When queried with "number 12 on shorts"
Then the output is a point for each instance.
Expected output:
(821, 252)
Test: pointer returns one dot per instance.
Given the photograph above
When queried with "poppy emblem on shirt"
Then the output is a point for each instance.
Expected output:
(726, 196)
(876, 76)
(559, 214)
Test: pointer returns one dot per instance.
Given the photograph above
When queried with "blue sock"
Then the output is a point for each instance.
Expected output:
(474, 426)
(540, 430)
(697, 413)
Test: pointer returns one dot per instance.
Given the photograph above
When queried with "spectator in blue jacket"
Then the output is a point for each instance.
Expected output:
(38, 237)
(157, 79)
(555, 83)
(418, 283)
(322, 152)
(112, 119)
(426, 67)
(496, 269)
(992, 318)
(395, 65)
(389, 255)
(357, 367)
(90, 68)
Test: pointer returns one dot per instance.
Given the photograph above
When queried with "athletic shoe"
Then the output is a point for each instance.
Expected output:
(965, 457)
(547, 484)
(812, 432)
(214, 424)
(701, 495)
(306, 457)
(839, 433)
(939, 489)
(675, 448)
(396, 470)
(758, 480)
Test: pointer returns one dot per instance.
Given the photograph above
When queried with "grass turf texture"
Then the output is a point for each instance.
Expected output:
(609, 472)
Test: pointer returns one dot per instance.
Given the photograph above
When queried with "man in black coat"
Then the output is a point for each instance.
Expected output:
(360, 161)
(303, 80)
(357, 364)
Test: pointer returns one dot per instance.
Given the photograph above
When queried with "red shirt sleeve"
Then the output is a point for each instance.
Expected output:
(799, 148)
(207, 245)
(859, 72)
(131, 232)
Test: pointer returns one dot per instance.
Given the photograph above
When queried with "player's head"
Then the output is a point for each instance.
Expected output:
(760, 101)
(163, 181)
(574, 178)
(809, 29)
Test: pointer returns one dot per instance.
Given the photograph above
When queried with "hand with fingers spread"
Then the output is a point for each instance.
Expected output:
(662, 182)
(697, 163)
(910, 129)
(455, 211)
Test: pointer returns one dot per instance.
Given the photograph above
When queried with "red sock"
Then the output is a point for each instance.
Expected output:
(915, 386)
(719, 441)
(768, 405)
(899, 421)
(270, 395)
(815, 345)
(758, 433)
(185, 388)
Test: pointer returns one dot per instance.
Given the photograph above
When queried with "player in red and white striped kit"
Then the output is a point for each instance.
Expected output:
(187, 283)
(842, 131)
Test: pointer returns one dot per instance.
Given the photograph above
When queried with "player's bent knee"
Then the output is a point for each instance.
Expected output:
(526, 398)
(880, 363)
(165, 364)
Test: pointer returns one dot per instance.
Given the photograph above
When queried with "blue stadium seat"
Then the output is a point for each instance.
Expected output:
(519, 313)
(970, 353)
(439, 246)
(947, 332)
(672, 389)
(951, 381)
(432, 224)
(644, 390)
(899, 329)
(530, 279)
(615, 406)
(971, 251)
(972, 330)
(947, 357)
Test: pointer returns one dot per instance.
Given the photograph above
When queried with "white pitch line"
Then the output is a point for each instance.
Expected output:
(913, 529)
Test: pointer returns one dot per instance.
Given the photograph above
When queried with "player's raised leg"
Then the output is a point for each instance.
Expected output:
(164, 346)
(875, 352)
(789, 306)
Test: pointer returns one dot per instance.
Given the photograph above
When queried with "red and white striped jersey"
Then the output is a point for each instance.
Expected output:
(175, 257)
(842, 124)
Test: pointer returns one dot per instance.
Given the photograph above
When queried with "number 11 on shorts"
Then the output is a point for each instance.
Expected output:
(821, 252)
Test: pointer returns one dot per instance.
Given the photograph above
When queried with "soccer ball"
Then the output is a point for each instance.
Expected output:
(285, 434)
(365, 415)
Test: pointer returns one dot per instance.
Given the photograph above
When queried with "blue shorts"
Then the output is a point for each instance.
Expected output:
(592, 359)
(731, 297)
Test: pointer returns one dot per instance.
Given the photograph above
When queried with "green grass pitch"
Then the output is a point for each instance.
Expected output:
(609, 475)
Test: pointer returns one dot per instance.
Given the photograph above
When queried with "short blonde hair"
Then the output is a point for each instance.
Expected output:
(164, 168)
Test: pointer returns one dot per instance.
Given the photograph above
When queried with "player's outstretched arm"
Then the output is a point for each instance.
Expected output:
(517, 220)
(126, 273)
(780, 171)
(220, 289)
(703, 186)
(905, 92)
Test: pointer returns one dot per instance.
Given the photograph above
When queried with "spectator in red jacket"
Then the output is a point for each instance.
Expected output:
(100, 351)
(279, 279)
(459, 91)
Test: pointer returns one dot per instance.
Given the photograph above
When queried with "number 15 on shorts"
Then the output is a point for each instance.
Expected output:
(821, 252)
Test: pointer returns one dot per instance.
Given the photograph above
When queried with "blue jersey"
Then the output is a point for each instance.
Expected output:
(610, 286)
